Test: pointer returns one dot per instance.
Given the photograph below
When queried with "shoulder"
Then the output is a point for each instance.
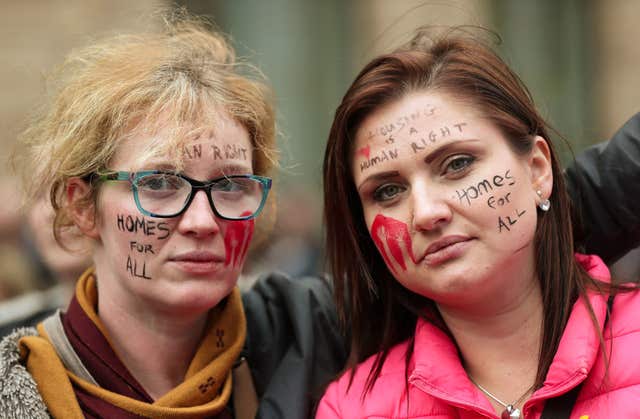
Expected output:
(278, 305)
(29, 309)
(276, 301)
(346, 395)
(615, 380)
(294, 345)
(277, 287)
(626, 304)
(10, 352)
(19, 396)
(599, 184)
(625, 314)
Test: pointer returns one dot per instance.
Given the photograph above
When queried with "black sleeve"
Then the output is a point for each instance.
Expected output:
(604, 184)
(294, 347)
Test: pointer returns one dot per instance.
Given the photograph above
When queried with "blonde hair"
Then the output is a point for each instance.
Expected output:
(180, 78)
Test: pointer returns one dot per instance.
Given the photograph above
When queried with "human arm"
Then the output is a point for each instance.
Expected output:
(294, 346)
(604, 184)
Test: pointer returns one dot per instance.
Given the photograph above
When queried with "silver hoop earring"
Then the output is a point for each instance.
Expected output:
(545, 204)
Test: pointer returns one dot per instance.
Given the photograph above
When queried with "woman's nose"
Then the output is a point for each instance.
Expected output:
(431, 207)
(199, 219)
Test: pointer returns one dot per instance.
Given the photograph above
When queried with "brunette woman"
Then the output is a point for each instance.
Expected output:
(449, 236)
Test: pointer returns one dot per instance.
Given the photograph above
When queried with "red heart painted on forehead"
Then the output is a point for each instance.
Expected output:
(364, 151)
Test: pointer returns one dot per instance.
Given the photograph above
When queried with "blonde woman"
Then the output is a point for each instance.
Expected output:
(157, 148)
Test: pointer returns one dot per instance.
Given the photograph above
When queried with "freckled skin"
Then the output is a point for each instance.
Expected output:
(395, 232)
(173, 288)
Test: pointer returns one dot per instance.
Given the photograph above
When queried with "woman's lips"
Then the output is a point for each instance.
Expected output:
(445, 249)
(198, 262)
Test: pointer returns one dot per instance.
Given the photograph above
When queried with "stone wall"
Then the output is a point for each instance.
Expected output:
(616, 58)
(36, 35)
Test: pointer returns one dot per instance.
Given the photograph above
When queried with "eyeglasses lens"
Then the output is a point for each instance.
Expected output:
(237, 197)
(166, 195)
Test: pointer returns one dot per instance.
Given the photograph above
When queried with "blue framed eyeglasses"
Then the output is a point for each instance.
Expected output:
(164, 194)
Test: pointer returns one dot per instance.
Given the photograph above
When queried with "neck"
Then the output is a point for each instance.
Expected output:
(500, 348)
(156, 348)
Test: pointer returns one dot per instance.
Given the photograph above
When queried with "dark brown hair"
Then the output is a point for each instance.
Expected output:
(378, 310)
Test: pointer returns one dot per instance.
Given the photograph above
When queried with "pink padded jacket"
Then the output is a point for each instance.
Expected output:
(439, 387)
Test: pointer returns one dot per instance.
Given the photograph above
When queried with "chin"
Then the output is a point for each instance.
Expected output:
(196, 296)
(446, 285)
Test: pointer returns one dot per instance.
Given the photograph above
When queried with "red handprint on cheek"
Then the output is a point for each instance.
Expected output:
(390, 237)
(237, 240)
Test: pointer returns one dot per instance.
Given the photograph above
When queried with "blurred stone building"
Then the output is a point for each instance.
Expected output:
(35, 35)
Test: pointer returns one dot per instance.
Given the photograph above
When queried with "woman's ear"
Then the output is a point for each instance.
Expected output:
(82, 213)
(541, 168)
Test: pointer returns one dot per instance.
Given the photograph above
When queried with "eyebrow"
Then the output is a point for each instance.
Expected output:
(443, 149)
(429, 158)
(379, 177)
(222, 170)
(234, 169)
(157, 165)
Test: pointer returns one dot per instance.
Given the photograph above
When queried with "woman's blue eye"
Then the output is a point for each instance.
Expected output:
(387, 192)
(458, 164)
